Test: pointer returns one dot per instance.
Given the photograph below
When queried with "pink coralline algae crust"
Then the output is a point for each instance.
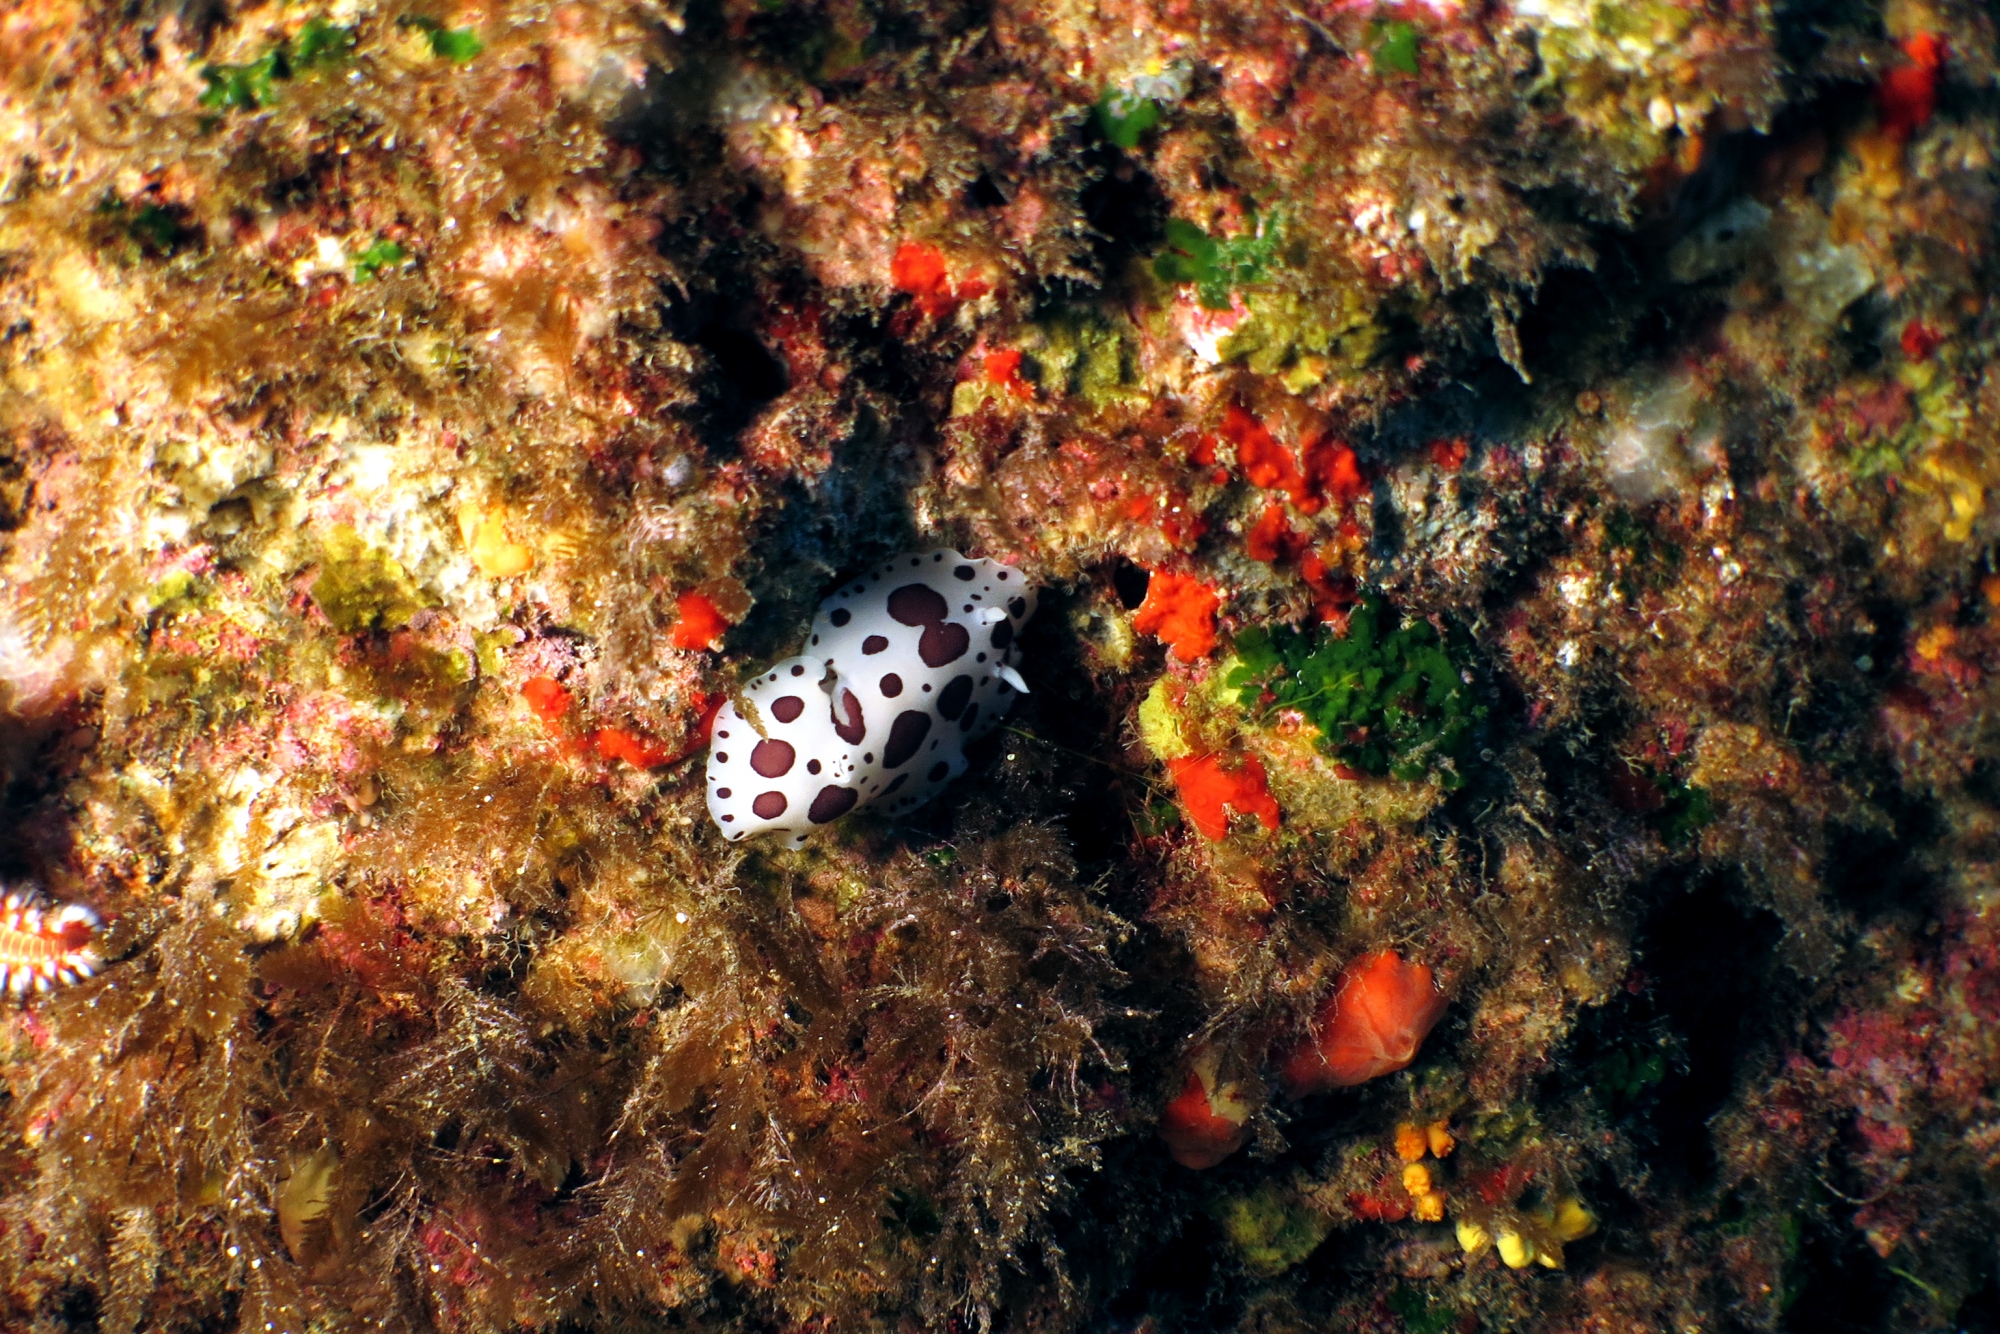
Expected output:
(1917, 1070)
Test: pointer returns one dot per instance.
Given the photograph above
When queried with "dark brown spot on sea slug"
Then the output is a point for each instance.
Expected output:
(943, 643)
(831, 804)
(914, 604)
(951, 700)
(773, 759)
(905, 735)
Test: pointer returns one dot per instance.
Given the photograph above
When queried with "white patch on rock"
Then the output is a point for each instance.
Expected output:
(1670, 437)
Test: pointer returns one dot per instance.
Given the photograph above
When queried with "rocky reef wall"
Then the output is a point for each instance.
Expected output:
(1504, 830)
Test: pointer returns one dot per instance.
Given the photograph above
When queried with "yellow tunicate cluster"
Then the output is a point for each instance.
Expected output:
(1412, 1142)
(1540, 1239)
(1933, 643)
(484, 533)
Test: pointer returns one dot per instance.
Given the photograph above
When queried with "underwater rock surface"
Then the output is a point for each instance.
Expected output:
(1505, 834)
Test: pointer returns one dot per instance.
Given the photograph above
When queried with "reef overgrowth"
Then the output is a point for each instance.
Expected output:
(1505, 830)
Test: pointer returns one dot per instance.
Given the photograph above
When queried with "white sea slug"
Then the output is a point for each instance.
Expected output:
(42, 946)
(903, 667)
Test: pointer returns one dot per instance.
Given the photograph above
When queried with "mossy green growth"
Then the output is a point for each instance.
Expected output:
(245, 87)
(1271, 1229)
(150, 230)
(1420, 1312)
(458, 45)
(157, 230)
(1625, 1076)
(361, 588)
(1156, 818)
(1388, 697)
(1684, 811)
(1124, 117)
(321, 43)
(379, 256)
(1394, 47)
(491, 652)
(253, 85)
(1216, 267)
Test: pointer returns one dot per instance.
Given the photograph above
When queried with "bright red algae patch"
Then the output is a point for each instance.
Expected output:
(1336, 470)
(641, 752)
(1210, 792)
(551, 703)
(1003, 371)
(920, 270)
(1272, 533)
(1272, 539)
(1324, 468)
(1907, 95)
(1180, 610)
(546, 698)
(1371, 1025)
(1264, 461)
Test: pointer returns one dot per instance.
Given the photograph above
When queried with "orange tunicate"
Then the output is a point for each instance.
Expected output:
(1210, 792)
(1180, 610)
(700, 624)
(1206, 1121)
(1371, 1025)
